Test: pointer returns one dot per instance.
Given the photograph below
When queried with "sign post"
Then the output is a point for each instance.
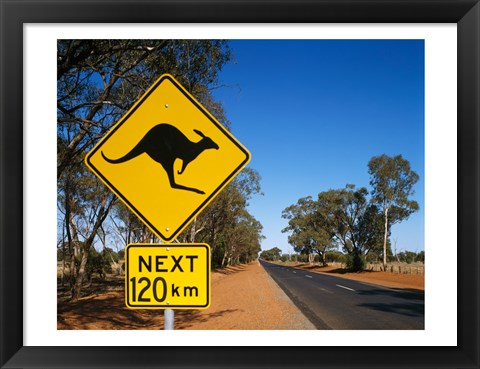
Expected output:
(167, 158)
(169, 317)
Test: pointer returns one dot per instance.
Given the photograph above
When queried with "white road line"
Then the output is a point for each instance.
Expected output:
(350, 289)
(295, 272)
(308, 276)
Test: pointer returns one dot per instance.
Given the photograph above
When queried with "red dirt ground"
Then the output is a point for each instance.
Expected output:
(243, 297)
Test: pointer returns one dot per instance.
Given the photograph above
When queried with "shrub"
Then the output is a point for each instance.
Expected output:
(334, 256)
(355, 262)
(303, 258)
(97, 263)
(108, 253)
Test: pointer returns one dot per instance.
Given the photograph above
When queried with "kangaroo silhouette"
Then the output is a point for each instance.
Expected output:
(165, 143)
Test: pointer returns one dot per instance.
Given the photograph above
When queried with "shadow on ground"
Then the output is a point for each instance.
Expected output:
(109, 312)
(410, 303)
(231, 270)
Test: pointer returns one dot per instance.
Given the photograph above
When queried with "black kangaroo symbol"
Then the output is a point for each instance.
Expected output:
(164, 143)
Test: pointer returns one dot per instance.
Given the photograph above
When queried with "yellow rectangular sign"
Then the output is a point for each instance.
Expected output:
(167, 276)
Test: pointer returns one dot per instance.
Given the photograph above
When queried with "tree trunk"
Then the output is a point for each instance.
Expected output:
(145, 234)
(74, 235)
(72, 239)
(81, 274)
(385, 241)
(224, 259)
(322, 259)
(128, 238)
(102, 215)
(64, 256)
(193, 230)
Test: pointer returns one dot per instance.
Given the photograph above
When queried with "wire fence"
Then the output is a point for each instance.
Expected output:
(398, 268)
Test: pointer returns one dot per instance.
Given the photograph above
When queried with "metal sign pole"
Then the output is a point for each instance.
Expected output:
(169, 316)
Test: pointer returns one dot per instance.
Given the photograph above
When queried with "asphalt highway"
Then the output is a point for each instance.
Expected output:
(331, 302)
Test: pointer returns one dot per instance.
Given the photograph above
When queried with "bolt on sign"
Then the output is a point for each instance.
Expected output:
(167, 158)
(167, 276)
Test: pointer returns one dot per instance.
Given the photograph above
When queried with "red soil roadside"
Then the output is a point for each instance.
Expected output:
(243, 297)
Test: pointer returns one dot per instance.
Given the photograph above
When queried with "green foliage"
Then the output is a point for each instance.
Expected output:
(108, 253)
(303, 258)
(273, 254)
(421, 257)
(334, 256)
(410, 257)
(345, 218)
(345, 212)
(355, 262)
(392, 181)
(97, 82)
(98, 263)
(309, 231)
(233, 234)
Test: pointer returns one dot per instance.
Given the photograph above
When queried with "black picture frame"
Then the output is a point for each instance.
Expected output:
(465, 13)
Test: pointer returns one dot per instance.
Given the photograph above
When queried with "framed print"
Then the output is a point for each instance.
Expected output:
(35, 331)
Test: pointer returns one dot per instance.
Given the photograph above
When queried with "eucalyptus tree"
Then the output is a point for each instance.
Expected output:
(242, 241)
(392, 180)
(343, 211)
(226, 214)
(370, 233)
(353, 222)
(97, 82)
(310, 233)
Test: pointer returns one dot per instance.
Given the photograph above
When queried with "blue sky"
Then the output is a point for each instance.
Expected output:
(314, 112)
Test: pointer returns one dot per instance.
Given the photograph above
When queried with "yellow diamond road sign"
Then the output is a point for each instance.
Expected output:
(167, 276)
(167, 158)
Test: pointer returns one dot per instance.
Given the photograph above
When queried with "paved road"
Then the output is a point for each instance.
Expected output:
(336, 303)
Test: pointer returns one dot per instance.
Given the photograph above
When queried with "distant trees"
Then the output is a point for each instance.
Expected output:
(97, 82)
(273, 254)
(348, 219)
(420, 257)
(410, 257)
(233, 234)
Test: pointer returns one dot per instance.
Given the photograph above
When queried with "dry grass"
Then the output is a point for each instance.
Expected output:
(396, 267)
(116, 269)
